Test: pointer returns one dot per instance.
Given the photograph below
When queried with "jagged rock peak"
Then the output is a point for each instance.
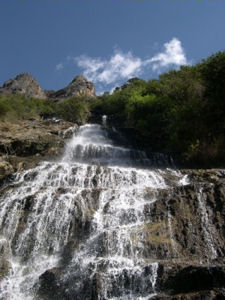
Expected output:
(79, 78)
(24, 84)
(78, 86)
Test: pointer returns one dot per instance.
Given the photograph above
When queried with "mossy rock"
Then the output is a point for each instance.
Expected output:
(5, 169)
(4, 268)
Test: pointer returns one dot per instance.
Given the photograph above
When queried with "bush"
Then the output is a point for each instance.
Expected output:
(73, 109)
(17, 107)
(182, 112)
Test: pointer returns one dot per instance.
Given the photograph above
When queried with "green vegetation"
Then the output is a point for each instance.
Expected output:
(17, 107)
(73, 109)
(182, 112)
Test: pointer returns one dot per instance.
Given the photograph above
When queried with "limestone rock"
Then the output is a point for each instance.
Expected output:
(24, 84)
(79, 86)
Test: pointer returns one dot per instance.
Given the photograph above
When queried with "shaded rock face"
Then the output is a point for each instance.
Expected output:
(78, 87)
(23, 84)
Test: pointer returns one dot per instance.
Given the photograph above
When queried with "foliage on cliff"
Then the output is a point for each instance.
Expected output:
(18, 107)
(73, 109)
(182, 112)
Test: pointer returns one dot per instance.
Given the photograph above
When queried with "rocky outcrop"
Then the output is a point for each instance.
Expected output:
(24, 144)
(187, 235)
(23, 84)
(28, 86)
(78, 87)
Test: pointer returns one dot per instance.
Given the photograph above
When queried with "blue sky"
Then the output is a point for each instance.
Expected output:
(109, 41)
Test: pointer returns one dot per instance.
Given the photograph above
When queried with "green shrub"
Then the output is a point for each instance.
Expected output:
(17, 107)
(73, 109)
(182, 112)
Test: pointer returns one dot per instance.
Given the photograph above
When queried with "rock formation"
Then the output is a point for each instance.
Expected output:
(23, 84)
(79, 86)
(27, 85)
(24, 144)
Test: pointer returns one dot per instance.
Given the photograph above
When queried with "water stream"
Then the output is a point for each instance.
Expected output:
(85, 215)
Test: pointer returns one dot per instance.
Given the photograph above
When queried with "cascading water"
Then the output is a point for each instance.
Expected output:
(85, 217)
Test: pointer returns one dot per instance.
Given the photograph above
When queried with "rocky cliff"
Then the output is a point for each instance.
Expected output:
(23, 84)
(24, 144)
(79, 86)
(28, 86)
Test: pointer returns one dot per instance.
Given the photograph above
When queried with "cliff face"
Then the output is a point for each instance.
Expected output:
(28, 86)
(79, 86)
(23, 84)
(24, 144)
(184, 233)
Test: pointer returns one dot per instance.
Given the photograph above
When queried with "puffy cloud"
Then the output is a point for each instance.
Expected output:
(173, 54)
(122, 66)
(119, 66)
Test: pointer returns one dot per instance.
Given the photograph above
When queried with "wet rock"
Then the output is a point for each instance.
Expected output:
(49, 287)
(5, 169)
(216, 294)
(68, 133)
(4, 255)
(4, 268)
(118, 233)
(182, 281)
(186, 222)
(24, 144)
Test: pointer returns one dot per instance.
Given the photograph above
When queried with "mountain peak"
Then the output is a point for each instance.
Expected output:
(79, 78)
(24, 84)
(78, 86)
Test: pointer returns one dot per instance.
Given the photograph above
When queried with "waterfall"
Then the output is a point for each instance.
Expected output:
(104, 120)
(206, 227)
(85, 216)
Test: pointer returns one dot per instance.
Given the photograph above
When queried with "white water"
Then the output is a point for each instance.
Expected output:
(95, 197)
(206, 227)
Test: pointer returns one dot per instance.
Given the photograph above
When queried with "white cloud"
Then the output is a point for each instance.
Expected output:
(119, 66)
(122, 66)
(173, 54)
(59, 67)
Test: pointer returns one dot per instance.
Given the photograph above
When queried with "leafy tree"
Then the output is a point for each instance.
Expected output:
(73, 109)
